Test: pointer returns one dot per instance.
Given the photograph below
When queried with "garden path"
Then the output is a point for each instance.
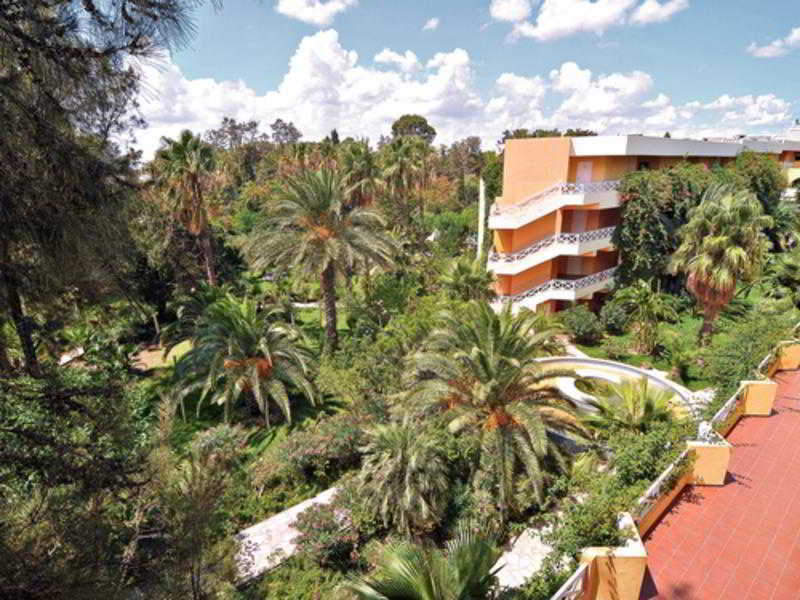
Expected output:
(522, 559)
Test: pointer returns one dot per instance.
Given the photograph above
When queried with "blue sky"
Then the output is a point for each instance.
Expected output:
(695, 67)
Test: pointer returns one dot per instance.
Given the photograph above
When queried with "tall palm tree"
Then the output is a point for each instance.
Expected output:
(240, 352)
(646, 307)
(632, 405)
(405, 170)
(361, 171)
(183, 168)
(464, 571)
(722, 244)
(310, 228)
(404, 477)
(481, 366)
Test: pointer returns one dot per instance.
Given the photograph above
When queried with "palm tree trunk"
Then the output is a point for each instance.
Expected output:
(208, 256)
(707, 329)
(329, 302)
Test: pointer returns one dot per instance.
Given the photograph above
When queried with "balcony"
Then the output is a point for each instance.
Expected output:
(560, 244)
(604, 194)
(561, 289)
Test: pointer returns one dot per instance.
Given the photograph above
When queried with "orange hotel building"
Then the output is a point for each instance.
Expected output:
(552, 226)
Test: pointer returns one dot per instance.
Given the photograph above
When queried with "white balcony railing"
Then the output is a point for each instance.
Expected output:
(573, 285)
(562, 188)
(573, 588)
(560, 238)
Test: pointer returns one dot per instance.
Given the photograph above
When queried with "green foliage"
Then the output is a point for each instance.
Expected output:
(404, 478)
(299, 578)
(646, 308)
(326, 536)
(492, 174)
(735, 354)
(617, 349)
(453, 229)
(762, 175)
(639, 459)
(467, 279)
(415, 125)
(462, 572)
(582, 325)
(614, 318)
(632, 405)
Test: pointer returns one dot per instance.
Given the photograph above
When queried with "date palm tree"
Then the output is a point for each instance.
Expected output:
(183, 169)
(632, 405)
(239, 352)
(189, 309)
(468, 279)
(722, 244)
(311, 228)
(463, 571)
(481, 367)
(404, 477)
(646, 308)
(405, 169)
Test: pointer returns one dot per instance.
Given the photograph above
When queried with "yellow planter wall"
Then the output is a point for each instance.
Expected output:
(616, 573)
(710, 462)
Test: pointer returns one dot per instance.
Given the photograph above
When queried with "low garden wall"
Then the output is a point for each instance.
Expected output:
(618, 573)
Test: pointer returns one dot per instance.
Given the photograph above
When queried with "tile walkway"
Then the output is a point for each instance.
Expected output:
(739, 541)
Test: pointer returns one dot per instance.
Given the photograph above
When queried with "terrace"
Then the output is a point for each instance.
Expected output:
(742, 539)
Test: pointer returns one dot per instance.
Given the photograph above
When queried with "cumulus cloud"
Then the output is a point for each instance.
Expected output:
(431, 24)
(406, 62)
(314, 12)
(326, 85)
(560, 18)
(510, 10)
(652, 11)
(776, 48)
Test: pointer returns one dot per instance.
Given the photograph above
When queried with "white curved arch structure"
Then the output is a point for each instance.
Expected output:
(612, 372)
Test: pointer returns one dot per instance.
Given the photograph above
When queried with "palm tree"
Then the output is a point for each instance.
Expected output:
(310, 228)
(482, 367)
(722, 244)
(361, 171)
(404, 477)
(240, 352)
(646, 307)
(782, 276)
(467, 279)
(405, 170)
(463, 571)
(183, 168)
(633, 405)
(189, 309)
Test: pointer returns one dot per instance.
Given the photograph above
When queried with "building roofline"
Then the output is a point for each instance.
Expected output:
(643, 145)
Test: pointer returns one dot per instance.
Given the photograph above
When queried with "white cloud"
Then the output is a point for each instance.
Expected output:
(510, 10)
(406, 62)
(431, 24)
(652, 11)
(314, 12)
(776, 48)
(560, 18)
(326, 86)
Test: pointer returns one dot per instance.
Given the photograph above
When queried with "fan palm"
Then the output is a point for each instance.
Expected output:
(463, 571)
(468, 279)
(722, 244)
(482, 367)
(240, 352)
(632, 405)
(183, 168)
(646, 307)
(311, 229)
(403, 477)
(782, 276)
(361, 171)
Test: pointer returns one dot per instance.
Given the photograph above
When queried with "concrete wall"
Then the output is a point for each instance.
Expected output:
(661, 505)
(532, 165)
(513, 240)
(514, 284)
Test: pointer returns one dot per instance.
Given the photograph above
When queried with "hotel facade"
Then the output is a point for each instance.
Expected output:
(553, 225)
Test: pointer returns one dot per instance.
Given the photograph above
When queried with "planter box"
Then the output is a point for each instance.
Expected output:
(616, 573)
(710, 461)
(759, 396)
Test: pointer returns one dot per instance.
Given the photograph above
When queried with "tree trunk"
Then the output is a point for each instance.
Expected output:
(5, 363)
(329, 302)
(22, 324)
(707, 330)
(208, 256)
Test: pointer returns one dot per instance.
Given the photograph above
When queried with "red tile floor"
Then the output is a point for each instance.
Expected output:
(741, 540)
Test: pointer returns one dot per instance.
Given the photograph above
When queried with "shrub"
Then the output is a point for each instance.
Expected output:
(614, 318)
(299, 578)
(326, 536)
(582, 325)
(617, 349)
